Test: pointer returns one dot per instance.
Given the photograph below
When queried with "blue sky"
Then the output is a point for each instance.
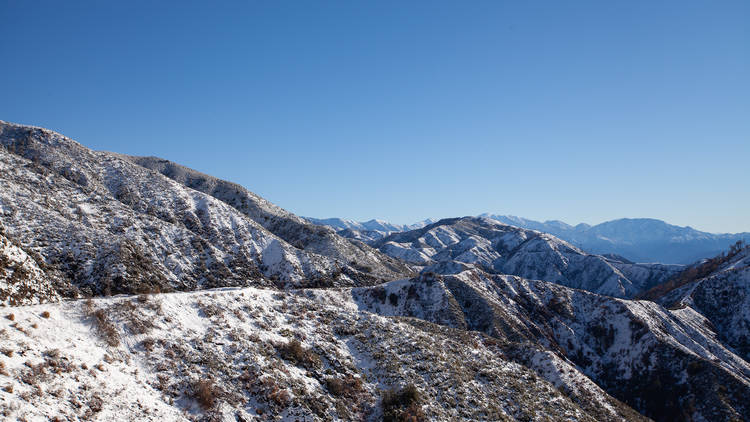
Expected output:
(579, 111)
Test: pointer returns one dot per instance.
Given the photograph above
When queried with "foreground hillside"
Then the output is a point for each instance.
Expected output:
(96, 223)
(252, 354)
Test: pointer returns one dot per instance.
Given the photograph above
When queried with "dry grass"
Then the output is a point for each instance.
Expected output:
(103, 325)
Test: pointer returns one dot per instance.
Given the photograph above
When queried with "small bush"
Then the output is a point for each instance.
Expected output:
(45, 314)
(148, 344)
(204, 392)
(347, 387)
(293, 351)
(11, 317)
(402, 405)
(8, 388)
(104, 326)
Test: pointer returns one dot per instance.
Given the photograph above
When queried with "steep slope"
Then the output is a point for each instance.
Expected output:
(293, 229)
(104, 225)
(454, 245)
(669, 365)
(22, 281)
(722, 297)
(253, 354)
(638, 239)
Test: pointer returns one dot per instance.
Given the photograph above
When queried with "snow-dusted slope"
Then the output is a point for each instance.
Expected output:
(669, 365)
(103, 224)
(255, 355)
(293, 229)
(639, 239)
(22, 281)
(723, 297)
(453, 245)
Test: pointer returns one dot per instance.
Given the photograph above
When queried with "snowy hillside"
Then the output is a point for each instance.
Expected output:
(103, 224)
(251, 354)
(670, 365)
(723, 298)
(293, 229)
(454, 245)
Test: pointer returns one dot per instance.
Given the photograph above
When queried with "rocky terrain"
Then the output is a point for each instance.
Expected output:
(133, 288)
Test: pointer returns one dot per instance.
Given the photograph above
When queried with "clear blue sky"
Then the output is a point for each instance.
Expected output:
(580, 111)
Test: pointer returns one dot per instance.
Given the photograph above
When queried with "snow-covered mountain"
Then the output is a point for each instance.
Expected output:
(503, 323)
(367, 231)
(96, 223)
(453, 245)
(295, 230)
(638, 239)
(371, 225)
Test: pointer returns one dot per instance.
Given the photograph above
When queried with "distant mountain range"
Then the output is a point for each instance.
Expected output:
(636, 239)
(454, 245)
(373, 225)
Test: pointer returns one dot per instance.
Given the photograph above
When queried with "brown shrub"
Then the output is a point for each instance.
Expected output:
(45, 314)
(293, 351)
(148, 344)
(104, 326)
(11, 317)
(402, 405)
(205, 393)
(347, 387)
